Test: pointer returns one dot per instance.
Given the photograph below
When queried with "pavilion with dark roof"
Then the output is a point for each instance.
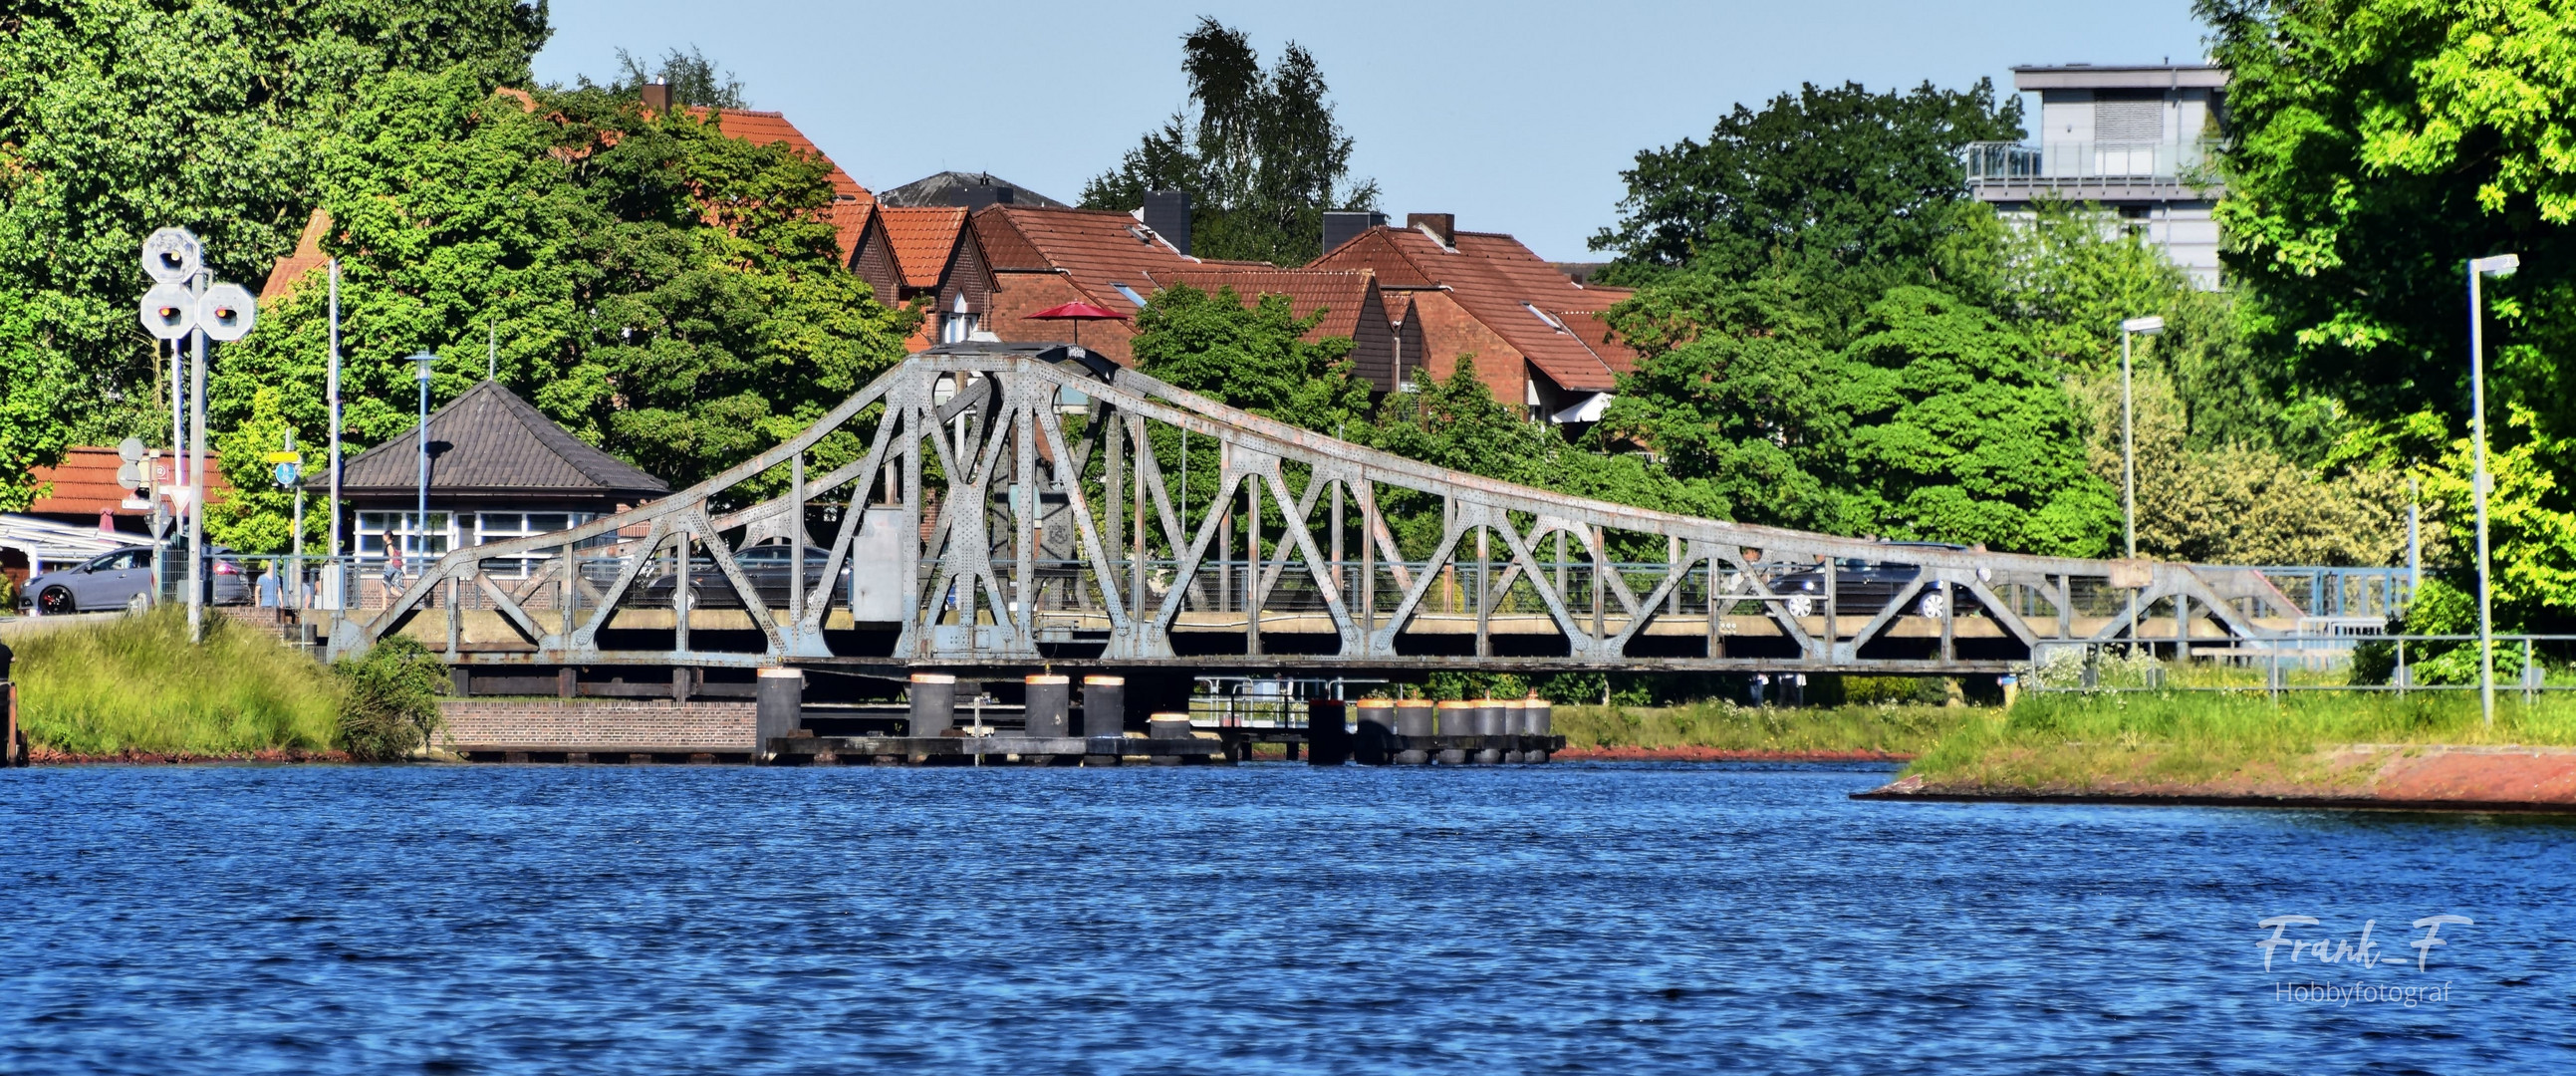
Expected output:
(498, 469)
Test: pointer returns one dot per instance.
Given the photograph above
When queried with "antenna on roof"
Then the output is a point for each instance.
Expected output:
(492, 352)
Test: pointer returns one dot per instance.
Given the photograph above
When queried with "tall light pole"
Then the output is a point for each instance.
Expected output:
(420, 373)
(339, 588)
(2130, 329)
(2498, 266)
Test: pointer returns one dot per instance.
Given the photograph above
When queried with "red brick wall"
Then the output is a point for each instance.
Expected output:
(1448, 332)
(605, 726)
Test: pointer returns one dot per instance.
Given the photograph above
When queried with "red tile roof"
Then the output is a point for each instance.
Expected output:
(1095, 249)
(1542, 313)
(1342, 295)
(307, 257)
(923, 237)
(850, 226)
(85, 482)
(763, 128)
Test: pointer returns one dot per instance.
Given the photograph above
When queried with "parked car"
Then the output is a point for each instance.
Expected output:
(112, 581)
(1862, 588)
(765, 565)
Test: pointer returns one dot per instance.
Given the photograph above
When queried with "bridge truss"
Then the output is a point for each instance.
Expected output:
(998, 507)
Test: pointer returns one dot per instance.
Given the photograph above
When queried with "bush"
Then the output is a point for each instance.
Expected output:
(389, 699)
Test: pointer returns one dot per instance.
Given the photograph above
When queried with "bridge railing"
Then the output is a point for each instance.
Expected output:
(1139, 526)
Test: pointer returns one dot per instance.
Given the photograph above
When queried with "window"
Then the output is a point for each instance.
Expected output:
(1544, 318)
(1131, 295)
(958, 324)
(403, 528)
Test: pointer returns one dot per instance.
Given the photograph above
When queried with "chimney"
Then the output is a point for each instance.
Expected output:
(981, 195)
(1444, 226)
(657, 96)
(1342, 225)
(1168, 214)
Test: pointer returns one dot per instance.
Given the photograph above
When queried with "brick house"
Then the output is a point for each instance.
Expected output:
(1537, 336)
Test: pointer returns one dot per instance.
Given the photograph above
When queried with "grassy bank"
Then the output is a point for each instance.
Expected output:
(2184, 740)
(1881, 729)
(135, 685)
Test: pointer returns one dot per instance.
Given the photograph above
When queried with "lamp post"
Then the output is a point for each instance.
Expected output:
(2130, 329)
(421, 364)
(2498, 266)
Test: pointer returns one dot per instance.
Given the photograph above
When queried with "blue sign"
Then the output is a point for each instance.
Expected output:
(287, 473)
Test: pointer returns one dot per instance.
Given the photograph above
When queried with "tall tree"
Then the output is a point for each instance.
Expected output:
(121, 116)
(2376, 146)
(1825, 180)
(667, 292)
(1258, 150)
(693, 79)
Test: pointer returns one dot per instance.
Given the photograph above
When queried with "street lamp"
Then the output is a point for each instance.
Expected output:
(2498, 266)
(421, 363)
(2134, 327)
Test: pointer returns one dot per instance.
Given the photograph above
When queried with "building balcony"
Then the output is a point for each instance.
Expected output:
(2114, 171)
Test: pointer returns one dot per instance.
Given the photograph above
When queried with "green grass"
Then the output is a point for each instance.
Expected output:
(134, 684)
(2068, 741)
(1887, 729)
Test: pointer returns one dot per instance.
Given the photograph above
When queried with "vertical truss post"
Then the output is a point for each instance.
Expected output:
(1484, 592)
(1368, 566)
(1252, 566)
(795, 544)
(1340, 580)
(1833, 631)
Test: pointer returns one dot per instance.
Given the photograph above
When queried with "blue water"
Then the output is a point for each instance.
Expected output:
(1570, 918)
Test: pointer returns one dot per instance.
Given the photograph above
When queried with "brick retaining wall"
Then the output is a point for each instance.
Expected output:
(609, 727)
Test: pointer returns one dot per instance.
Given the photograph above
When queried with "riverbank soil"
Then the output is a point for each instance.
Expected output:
(2323, 749)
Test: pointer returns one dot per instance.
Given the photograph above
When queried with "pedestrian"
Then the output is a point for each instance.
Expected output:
(1761, 683)
(393, 569)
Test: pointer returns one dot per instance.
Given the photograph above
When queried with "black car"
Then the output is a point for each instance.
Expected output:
(1863, 587)
(765, 565)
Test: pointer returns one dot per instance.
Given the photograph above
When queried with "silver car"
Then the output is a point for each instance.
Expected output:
(112, 581)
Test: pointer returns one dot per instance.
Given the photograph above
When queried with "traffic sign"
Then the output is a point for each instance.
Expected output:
(287, 472)
(286, 457)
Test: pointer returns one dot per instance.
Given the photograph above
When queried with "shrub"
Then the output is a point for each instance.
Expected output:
(389, 699)
(136, 684)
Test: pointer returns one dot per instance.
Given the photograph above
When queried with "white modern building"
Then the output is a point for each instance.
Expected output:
(2132, 138)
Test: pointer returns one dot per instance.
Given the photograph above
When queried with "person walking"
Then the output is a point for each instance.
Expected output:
(393, 568)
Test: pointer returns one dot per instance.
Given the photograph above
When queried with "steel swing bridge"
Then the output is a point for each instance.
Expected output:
(1018, 506)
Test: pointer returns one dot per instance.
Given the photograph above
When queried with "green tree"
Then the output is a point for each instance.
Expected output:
(1962, 432)
(1255, 358)
(121, 116)
(1836, 179)
(693, 79)
(1734, 385)
(664, 291)
(1258, 150)
(2377, 145)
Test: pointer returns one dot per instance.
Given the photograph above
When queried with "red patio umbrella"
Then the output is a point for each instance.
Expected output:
(1077, 313)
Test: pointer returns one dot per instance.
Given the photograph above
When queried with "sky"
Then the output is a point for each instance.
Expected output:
(1516, 116)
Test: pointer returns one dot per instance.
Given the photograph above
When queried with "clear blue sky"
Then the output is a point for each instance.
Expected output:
(1516, 116)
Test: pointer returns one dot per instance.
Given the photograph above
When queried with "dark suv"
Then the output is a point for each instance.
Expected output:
(1863, 587)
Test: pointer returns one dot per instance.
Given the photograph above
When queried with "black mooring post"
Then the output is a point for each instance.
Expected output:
(778, 709)
(1328, 736)
(1376, 721)
(1413, 721)
(934, 703)
(1104, 718)
(1046, 699)
(1538, 718)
